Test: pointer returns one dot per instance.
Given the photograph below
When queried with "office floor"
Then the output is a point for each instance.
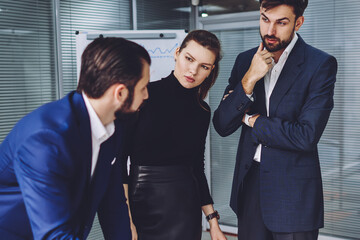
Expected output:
(206, 236)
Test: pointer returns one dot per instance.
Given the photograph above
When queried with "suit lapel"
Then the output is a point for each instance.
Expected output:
(102, 172)
(288, 75)
(82, 150)
(83, 143)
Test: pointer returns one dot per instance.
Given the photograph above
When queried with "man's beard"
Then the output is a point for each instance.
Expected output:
(280, 45)
(125, 112)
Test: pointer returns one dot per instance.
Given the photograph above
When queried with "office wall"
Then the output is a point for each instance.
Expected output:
(29, 67)
(27, 59)
(332, 26)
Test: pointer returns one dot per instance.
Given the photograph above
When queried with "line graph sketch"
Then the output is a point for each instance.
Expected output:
(161, 48)
(159, 52)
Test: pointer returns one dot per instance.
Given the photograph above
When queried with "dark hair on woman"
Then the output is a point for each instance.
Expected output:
(107, 61)
(298, 6)
(211, 42)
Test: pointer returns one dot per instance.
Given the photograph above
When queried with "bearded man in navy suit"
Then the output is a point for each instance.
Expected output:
(281, 94)
(61, 163)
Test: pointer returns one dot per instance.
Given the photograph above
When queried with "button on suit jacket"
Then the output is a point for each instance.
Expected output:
(46, 191)
(291, 195)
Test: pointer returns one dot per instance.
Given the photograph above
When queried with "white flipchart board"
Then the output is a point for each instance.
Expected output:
(161, 45)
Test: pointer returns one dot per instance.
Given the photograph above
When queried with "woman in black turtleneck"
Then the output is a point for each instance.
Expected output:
(167, 183)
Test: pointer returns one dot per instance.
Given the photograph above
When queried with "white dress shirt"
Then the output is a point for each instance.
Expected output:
(99, 132)
(270, 80)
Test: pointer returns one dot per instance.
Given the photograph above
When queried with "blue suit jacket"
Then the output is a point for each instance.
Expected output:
(45, 187)
(291, 195)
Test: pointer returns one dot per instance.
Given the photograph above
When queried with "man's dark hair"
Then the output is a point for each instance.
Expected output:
(107, 61)
(298, 6)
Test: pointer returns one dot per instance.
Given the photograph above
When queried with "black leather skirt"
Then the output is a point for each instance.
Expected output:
(165, 203)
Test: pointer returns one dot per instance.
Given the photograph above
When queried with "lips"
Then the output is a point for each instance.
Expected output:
(189, 79)
(271, 40)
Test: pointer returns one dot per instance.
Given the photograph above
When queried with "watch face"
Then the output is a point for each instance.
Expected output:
(213, 215)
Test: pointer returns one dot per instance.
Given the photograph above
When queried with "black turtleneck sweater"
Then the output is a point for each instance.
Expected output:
(171, 130)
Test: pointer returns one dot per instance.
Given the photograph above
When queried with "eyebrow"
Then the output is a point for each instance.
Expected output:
(278, 20)
(195, 59)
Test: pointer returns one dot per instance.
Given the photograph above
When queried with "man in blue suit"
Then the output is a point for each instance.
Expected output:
(61, 163)
(281, 94)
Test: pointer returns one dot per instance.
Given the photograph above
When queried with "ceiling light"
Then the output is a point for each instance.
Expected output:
(204, 14)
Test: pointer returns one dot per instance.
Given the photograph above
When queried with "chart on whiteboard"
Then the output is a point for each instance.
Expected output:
(162, 57)
(160, 44)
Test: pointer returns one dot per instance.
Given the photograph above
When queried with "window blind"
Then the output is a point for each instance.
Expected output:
(223, 150)
(87, 15)
(163, 14)
(27, 67)
(332, 26)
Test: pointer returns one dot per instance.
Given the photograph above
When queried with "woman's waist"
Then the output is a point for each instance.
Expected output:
(160, 173)
(164, 157)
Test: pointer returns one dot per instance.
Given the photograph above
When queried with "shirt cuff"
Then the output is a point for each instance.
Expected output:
(250, 96)
(247, 116)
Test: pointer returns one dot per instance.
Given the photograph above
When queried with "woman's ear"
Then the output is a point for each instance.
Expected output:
(176, 54)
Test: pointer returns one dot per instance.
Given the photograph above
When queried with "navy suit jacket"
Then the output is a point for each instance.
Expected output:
(291, 195)
(45, 187)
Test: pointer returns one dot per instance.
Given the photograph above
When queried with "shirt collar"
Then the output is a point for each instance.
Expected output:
(290, 47)
(98, 130)
(287, 50)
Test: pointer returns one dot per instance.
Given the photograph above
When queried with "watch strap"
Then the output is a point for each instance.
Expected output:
(213, 215)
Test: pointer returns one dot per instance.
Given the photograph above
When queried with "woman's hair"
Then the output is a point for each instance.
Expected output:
(211, 42)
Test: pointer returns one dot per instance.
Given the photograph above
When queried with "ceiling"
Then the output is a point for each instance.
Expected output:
(215, 7)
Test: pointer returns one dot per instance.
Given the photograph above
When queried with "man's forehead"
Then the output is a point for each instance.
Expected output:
(278, 13)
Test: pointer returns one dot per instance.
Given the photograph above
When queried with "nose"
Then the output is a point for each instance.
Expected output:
(271, 30)
(193, 68)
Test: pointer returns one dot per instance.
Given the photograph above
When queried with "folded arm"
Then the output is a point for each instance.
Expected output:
(304, 133)
(236, 100)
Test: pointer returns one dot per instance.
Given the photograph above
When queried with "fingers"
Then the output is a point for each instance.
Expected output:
(261, 47)
(226, 95)
(267, 56)
(268, 60)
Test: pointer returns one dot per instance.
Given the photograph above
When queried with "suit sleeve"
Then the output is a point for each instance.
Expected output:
(44, 184)
(304, 133)
(228, 116)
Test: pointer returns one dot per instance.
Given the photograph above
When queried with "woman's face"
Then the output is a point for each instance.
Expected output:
(193, 64)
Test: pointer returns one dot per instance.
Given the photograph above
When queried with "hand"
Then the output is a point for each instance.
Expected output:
(133, 231)
(252, 119)
(215, 231)
(226, 95)
(260, 65)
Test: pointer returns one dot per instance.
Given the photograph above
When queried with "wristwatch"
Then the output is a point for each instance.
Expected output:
(213, 215)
